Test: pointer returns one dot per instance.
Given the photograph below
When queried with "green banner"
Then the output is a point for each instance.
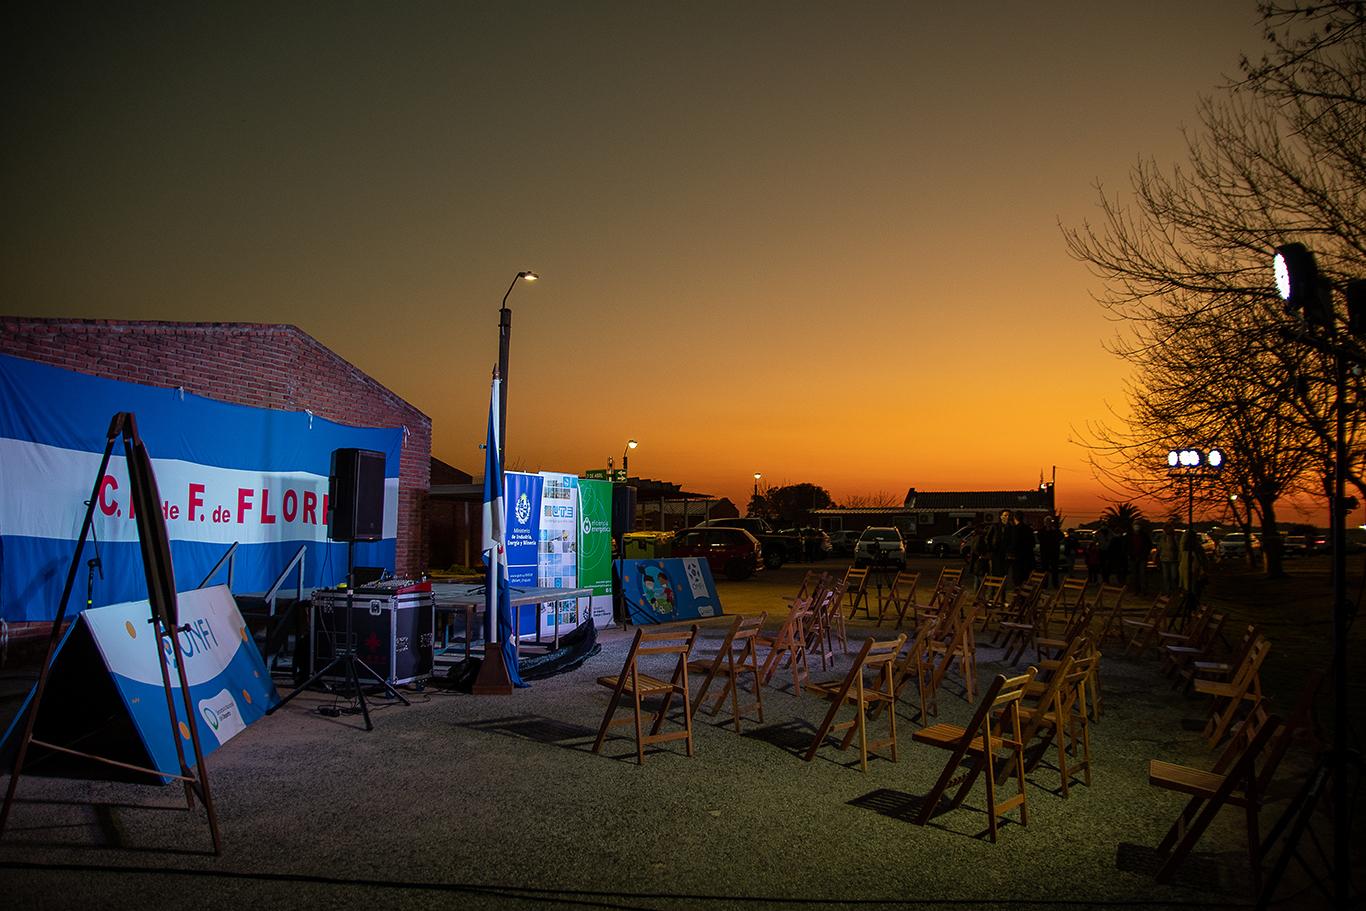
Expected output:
(595, 546)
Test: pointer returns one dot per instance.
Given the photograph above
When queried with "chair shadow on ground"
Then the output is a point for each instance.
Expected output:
(1205, 871)
(904, 807)
(794, 737)
(537, 728)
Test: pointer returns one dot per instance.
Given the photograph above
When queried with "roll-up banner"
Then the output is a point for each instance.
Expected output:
(522, 494)
(559, 547)
(595, 546)
(226, 473)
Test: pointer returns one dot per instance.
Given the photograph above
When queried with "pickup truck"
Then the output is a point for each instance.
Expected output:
(778, 548)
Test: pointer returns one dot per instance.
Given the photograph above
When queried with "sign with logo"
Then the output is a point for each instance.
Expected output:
(664, 591)
(107, 662)
(226, 473)
(522, 497)
(559, 552)
(595, 546)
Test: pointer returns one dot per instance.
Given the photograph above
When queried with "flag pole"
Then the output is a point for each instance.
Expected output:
(493, 678)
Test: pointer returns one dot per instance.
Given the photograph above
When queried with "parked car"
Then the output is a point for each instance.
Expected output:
(732, 551)
(814, 543)
(842, 542)
(778, 548)
(949, 545)
(880, 545)
(1236, 543)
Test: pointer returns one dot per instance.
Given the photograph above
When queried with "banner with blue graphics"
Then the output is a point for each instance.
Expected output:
(664, 591)
(229, 685)
(559, 551)
(226, 473)
(522, 496)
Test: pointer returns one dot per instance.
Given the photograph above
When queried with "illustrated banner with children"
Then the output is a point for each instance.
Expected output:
(665, 591)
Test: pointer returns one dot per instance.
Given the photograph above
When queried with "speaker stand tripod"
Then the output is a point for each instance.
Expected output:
(347, 658)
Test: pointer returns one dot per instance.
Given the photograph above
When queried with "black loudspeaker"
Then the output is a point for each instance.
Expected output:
(355, 495)
(623, 509)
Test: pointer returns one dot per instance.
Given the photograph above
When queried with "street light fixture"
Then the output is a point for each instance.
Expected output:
(625, 470)
(757, 476)
(1308, 295)
(504, 341)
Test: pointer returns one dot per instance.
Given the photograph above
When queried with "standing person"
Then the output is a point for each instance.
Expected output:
(998, 544)
(1169, 557)
(1119, 553)
(1050, 546)
(1022, 550)
(1140, 547)
(1102, 539)
(1091, 555)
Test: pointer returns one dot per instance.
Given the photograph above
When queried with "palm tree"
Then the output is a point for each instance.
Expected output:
(1123, 515)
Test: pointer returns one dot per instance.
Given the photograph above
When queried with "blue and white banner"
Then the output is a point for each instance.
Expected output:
(664, 591)
(226, 473)
(229, 685)
(559, 551)
(522, 494)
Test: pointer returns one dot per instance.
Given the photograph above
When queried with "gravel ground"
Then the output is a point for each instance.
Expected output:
(497, 802)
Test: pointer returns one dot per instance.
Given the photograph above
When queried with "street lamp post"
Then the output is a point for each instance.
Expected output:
(757, 476)
(1309, 296)
(504, 340)
(625, 453)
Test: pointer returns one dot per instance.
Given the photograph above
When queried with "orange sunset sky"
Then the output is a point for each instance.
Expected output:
(815, 240)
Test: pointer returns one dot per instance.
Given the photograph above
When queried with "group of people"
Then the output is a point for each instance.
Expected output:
(1115, 554)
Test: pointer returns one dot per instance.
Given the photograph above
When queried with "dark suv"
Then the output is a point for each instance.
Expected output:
(732, 551)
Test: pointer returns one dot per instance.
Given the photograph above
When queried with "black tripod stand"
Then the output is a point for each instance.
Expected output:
(347, 656)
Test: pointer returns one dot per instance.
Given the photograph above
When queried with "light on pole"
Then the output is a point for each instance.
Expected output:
(504, 340)
(757, 476)
(625, 468)
(1309, 296)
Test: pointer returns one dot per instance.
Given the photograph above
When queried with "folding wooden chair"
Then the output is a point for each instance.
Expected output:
(788, 642)
(1054, 711)
(1064, 605)
(902, 597)
(955, 641)
(1191, 636)
(736, 656)
(990, 599)
(634, 684)
(1178, 656)
(1142, 632)
(1018, 632)
(1205, 667)
(856, 592)
(917, 666)
(1109, 610)
(994, 730)
(1230, 698)
(1235, 780)
(870, 684)
(944, 588)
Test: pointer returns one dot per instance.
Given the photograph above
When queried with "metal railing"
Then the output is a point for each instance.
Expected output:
(230, 558)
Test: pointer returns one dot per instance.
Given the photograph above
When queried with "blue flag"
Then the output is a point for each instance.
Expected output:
(497, 594)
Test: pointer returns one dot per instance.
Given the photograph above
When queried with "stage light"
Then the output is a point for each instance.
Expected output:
(1299, 285)
(1173, 458)
(1215, 459)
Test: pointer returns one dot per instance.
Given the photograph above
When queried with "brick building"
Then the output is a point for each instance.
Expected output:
(264, 366)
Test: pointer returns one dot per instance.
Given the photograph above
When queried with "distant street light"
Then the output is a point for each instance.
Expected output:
(757, 476)
(625, 468)
(504, 340)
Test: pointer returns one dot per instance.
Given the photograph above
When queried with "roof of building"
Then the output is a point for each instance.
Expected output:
(980, 500)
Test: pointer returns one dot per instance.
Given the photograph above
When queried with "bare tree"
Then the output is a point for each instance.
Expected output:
(1185, 262)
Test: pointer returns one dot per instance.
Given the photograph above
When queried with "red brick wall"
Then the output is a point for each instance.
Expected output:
(264, 366)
